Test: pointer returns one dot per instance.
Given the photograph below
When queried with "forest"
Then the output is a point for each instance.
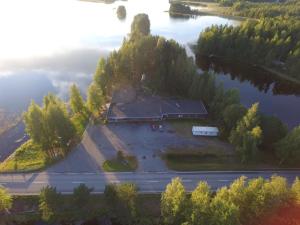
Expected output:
(252, 9)
(271, 39)
(270, 42)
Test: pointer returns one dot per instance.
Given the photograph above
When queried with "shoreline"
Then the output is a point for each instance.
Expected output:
(262, 67)
(211, 9)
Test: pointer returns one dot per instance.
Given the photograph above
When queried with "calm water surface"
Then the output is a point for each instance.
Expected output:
(53, 43)
(276, 96)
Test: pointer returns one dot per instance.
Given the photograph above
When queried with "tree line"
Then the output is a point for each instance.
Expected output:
(289, 8)
(56, 126)
(244, 201)
(272, 42)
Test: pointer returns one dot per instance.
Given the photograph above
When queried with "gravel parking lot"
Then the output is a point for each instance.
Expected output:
(102, 142)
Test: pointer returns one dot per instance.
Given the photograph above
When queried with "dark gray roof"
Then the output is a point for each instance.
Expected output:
(141, 107)
(155, 107)
(182, 106)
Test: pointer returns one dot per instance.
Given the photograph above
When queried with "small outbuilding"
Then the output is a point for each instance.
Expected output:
(205, 131)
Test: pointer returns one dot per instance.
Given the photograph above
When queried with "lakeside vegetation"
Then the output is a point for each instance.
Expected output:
(53, 130)
(263, 9)
(245, 201)
(178, 9)
(271, 41)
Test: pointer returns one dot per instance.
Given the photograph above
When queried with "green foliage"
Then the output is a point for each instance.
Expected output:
(178, 8)
(173, 203)
(95, 98)
(58, 125)
(247, 135)
(5, 200)
(255, 199)
(221, 100)
(288, 149)
(35, 125)
(296, 190)
(49, 126)
(272, 42)
(289, 8)
(28, 157)
(199, 203)
(101, 76)
(121, 12)
(224, 211)
(49, 203)
(80, 113)
(121, 202)
(81, 196)
(76, 101)
(120, 164)
(243, 202)
(273, 130)
(140, 26)
(231, 115)
(277, 192)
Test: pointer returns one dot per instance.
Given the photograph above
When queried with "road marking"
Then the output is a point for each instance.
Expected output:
(114, 181)
(39, 182)
(77, 182)
(152, 181)
(187, 180)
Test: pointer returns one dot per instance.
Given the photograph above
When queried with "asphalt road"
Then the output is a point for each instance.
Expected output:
(148, 182)
(11, 140)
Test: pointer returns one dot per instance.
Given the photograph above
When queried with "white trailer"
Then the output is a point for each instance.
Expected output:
(205, 131)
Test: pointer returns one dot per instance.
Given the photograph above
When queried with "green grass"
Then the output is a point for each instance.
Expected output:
(184, 127)
(28, 157)
(115, 165)
(214, 160)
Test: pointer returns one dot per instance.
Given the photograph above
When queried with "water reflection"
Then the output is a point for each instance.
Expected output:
(17, 90)
(276, 96)
(65, 48)
(263, 80)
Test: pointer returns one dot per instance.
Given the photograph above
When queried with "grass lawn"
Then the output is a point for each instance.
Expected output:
(212, 159)
(28, 157)
(115, 165)
(184, 127)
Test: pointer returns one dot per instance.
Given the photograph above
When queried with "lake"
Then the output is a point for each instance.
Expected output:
(48, 45)
(276, 96)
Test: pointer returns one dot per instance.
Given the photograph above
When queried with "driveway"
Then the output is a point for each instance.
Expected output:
(102, 142)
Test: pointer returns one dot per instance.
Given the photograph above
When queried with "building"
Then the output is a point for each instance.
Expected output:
(155, 108)
(205, 131)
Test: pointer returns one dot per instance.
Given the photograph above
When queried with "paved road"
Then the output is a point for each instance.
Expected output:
(11, 140)
(150, 182)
